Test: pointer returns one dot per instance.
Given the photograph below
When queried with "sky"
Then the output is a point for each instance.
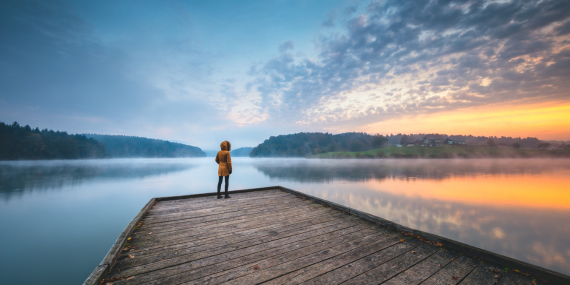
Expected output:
(200, 72)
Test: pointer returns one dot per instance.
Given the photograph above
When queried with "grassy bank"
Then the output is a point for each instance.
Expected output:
(447, 152)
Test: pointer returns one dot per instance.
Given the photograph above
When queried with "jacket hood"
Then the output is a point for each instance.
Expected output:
(225, 145)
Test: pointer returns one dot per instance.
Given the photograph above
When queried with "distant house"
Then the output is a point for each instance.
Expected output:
(399, 145)
(432, 141)
(450, 141)
(411, 145)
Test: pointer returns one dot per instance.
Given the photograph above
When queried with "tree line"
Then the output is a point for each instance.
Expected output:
(23, 142)
(304, 144)
(132, 146)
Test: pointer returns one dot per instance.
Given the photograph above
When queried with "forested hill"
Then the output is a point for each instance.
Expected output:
(23, 142)
(129, 146)
(303, 144)
(242, 151)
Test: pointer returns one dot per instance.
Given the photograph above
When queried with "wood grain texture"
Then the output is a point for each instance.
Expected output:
(514, 278)
(363, 265)
(395, 266)
(454, 272)
(483, 274)
(279, 237)
(423, 270)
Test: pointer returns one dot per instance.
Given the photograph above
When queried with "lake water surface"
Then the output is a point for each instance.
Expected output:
(59, 218)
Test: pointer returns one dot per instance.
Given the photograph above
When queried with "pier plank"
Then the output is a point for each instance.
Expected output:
(265, 274)
(394, 267)
(483, 274)
(265, 258)
(362, 265)
(322, 267)
(229, 228)
(276, 235)
(233, 219)
(221, 203)
(421, 271)
(254, 235)
(169, 253)
(454, 272)
(267, 230)
(513, 278)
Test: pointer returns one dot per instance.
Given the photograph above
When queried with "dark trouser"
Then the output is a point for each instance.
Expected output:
(220, 184)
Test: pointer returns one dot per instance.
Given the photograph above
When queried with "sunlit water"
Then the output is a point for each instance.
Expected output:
(58, 219)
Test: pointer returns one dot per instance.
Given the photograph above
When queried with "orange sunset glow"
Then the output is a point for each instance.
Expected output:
(543, 120)
(547, 192)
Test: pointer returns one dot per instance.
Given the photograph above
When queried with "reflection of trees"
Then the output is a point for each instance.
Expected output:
(16, 179)
(380, 169)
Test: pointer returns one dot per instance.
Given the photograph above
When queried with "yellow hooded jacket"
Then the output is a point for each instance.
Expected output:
(224, 159)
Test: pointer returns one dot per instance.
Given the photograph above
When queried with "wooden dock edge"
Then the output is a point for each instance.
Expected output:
(106, 265)
(543, 274)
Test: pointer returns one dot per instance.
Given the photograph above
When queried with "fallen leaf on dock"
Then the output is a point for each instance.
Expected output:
(131, 256)
(130, 278)
(456, 278)
(256, 267)
(495, 271)
(496, 276)
(413, 251)
(109, 283)
(150, 233)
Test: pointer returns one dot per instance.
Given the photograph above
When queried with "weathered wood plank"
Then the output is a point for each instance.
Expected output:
(218, 217)
(96, 276)
(513, 278)
(453, 272)
(266, 193)
(265, 274)
(227, 228)
(165, 253)
(298, 253)
(207, 211)
(325, 266)
(255, 237)
(236, 217)
(421, 271)
(483, 274)
(277, 210)
(362, 265)
(274, 237)
(264, 250)
(394, 267)
(214, 202)
(298, 244)
(241, 235)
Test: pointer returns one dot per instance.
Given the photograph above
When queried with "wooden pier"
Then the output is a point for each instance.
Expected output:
(277, 235)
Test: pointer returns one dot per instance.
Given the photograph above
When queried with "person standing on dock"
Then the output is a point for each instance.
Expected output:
(224, 160)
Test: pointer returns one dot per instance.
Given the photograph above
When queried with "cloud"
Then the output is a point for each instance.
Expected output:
(286, 45)
(437, 54)
(330, 20)
(53, 61)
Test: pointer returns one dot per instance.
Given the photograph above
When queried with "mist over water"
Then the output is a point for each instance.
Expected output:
(59, 218)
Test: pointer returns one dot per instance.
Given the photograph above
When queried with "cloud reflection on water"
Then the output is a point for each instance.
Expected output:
(519, 208)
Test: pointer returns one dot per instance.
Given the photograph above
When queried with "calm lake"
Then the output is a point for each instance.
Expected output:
(59, 218)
